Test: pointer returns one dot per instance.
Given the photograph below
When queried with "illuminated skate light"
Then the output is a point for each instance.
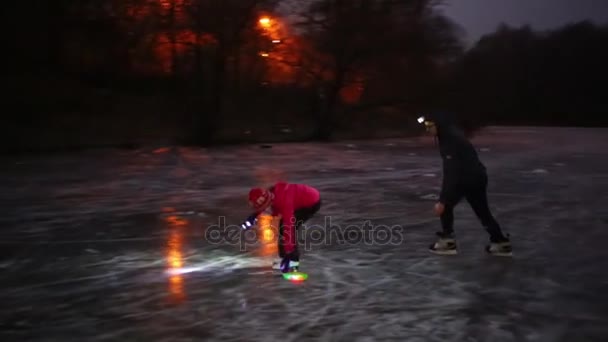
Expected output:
(295, 276)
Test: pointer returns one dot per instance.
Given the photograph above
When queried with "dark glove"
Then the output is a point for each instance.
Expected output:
(250, 221)
(286, 263)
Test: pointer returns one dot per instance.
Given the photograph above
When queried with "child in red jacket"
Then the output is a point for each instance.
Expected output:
(296, 204)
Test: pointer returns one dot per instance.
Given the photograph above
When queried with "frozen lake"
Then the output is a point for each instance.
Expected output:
(114, 245)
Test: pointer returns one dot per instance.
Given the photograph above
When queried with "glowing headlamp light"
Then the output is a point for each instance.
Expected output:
(421, 119)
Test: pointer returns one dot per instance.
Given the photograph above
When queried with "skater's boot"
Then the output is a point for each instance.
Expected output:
(500, 247)
(276, 264)
(445, 245)
(290, 263)
(293, 265)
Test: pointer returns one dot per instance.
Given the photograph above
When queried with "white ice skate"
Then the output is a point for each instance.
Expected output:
(276, 265)
(500, 249)
(446, 245)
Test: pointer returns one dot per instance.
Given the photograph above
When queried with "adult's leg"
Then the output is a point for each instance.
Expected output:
(446, 243)
(478, 200)
(447, 217)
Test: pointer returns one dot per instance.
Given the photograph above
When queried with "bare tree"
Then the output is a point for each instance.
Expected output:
(378, 42)
(228, 22)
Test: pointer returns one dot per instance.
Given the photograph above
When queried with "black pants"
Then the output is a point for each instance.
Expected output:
(475, 192)
(302, 215)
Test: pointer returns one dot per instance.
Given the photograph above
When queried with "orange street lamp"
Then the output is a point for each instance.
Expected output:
(265, 22)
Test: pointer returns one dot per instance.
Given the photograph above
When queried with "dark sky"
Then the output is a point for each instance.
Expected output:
(478, 17)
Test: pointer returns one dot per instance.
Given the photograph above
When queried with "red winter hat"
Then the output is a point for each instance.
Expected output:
(259, 198)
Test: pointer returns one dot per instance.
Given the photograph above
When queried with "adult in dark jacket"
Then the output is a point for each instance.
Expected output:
(464, 176)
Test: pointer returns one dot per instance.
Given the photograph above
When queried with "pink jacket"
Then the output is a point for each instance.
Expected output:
(287, 199)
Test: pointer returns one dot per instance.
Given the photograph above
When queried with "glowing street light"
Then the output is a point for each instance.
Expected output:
(264, 54)
(265, 22)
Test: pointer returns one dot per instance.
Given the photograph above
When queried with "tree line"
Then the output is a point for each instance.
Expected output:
(520, 76)
(208, 71)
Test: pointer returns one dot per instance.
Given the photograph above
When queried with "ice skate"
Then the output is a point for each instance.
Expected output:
(446, 245)
(293, 265)
(500, 248)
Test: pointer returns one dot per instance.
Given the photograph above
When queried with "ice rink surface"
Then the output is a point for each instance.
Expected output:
(116, 245)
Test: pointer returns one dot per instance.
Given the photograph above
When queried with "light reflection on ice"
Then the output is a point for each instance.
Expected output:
(183, 270)
(223, 264)
(175, 257)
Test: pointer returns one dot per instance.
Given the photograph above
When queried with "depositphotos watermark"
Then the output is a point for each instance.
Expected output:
(308, 235)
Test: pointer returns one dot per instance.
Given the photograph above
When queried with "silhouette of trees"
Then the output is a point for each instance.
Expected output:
(366, 54)
(325, 66)
(520, 76)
